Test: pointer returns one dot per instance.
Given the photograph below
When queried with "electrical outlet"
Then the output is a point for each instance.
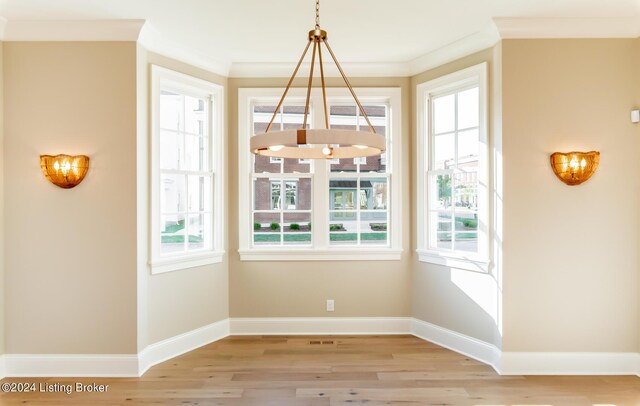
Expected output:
(331, 306)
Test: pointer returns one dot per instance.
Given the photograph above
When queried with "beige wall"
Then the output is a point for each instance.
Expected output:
(180, 301)
(463, 301)
(71, 259)
(570, 253)
(2, 283)
(299, 289)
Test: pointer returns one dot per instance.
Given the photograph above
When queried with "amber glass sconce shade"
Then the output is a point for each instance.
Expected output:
(64, 171)
(574, 168)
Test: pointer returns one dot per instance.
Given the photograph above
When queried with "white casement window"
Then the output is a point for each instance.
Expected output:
(186, 171)
(452, 199)
(294, 209)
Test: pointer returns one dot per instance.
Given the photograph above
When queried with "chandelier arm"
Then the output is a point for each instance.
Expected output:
(286, 90)
(324, 91)
(313, 61)
(346, 81)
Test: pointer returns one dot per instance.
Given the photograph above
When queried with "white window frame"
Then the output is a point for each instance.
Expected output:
(424, 93)
(320, 249)
(161, 77)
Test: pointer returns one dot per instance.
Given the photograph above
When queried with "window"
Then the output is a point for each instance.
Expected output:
(319, 209)
(452, 170)
(186, 171)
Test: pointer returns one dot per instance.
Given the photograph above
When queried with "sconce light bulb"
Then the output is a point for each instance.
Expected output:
(56, 166)
(66, 167)
(583, 163)
(574, 163)
(326, 151)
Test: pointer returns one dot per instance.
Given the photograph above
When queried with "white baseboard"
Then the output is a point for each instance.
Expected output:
(76, 365)
(134, 365)
(180, 344)
(530, 363)
(569, 363)
(320, 325)
(460, 343)
(3, 372)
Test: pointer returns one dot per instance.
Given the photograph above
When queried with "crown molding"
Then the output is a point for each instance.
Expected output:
(523, 28)
(151, 40)
(75, 30)
(285, 69)
(478, 41)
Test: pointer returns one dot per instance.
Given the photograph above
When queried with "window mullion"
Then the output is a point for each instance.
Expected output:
(320, 195)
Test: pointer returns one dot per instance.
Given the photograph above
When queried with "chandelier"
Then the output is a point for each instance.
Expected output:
(324, 143)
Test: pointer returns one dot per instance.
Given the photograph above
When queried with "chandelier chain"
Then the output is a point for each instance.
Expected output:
(317, 14)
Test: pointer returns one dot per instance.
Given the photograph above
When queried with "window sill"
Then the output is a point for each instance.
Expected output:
(458, 262)
(191, 261)
(383, 254)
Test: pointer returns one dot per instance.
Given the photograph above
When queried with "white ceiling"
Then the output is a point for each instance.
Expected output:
(267, 31)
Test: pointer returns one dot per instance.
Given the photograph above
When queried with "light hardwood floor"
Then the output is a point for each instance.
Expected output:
(336, 370)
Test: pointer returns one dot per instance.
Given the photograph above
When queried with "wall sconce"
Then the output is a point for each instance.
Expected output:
(573, 168)
(63, 170)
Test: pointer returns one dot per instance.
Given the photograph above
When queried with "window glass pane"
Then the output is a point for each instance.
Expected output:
(276, 195)
(262, 194)
(442, 230)
(199, 237)
(304, 194)
(297, 229)
(468, 108)
(196, 156)
(199, 198)
(373, 228)
(290, 195)
(466, 241)
(267, 229)
(171, 110)
(444, 114)
(292, 165)
(466, 192)
(373, 194)
(195, 115)
(440, 192)
(466, 210)
(377, 116)
(343, 165)
(173, 193)
(265, 164)
(342, 194)
(468, 145)
(444, 151)
(342, 117)
(376, 163)
(261, 117)
(343, 228)
(170, 150)
(172, 234)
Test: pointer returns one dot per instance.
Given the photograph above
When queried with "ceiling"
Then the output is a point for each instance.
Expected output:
(267, 31)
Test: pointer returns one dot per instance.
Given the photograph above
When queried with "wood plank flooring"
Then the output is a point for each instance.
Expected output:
(336, 370)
